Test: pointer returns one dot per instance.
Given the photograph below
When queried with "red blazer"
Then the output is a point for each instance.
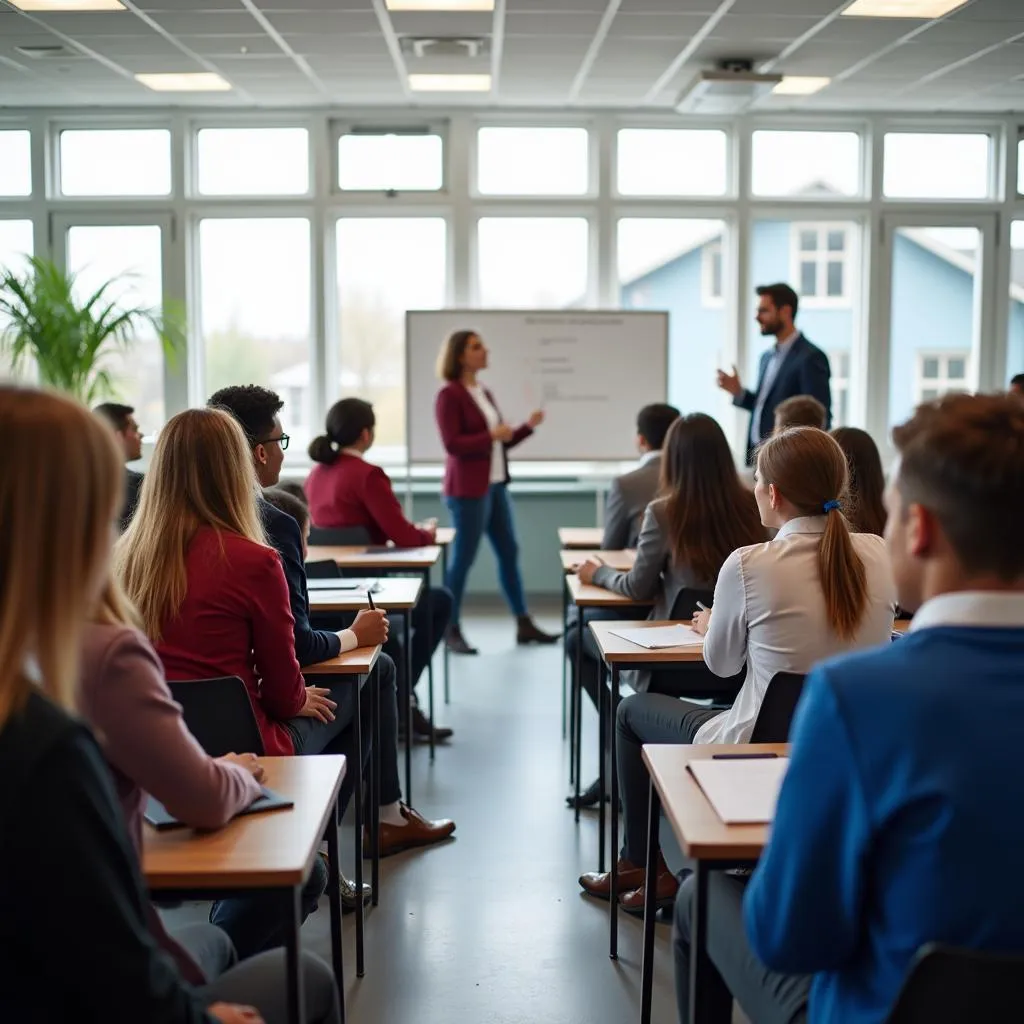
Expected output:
(467, 440)
(236, 620)
(354, 492)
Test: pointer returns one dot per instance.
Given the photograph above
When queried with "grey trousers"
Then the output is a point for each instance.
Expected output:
(260, 981)
(767, 997)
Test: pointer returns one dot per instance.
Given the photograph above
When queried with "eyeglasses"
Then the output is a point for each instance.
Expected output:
(282, 441)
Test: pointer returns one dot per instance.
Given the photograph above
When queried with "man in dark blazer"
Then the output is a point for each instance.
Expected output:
(122, 419)
(793, 366)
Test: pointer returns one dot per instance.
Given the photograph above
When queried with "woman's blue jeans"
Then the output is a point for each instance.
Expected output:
(472, 518)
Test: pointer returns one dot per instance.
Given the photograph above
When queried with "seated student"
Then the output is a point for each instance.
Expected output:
(867, 481)
(630, 494)
(800, 411)
(61, 819)
(129, 436)
(213, 600)
(904, 773)
(1017, 385)
(815, 590)
(295, 489)
(703, 515)
(346, 490)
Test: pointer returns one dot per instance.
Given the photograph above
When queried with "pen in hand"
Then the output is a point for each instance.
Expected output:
(369, 597)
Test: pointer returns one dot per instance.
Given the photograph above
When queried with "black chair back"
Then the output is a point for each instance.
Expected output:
(219, 715)
(946, 985)
(341, 535)
(777, 708)
(686, 600)
(325, 570)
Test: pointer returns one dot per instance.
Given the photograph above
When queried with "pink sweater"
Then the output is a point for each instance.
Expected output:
(126, 700)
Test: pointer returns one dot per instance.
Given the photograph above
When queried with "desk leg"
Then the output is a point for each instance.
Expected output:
(565, 657)
(296, 989)
(613, 938)
(650, 905)
(578, 725)
(430, 660)
(710, 998)
(447, 653)
(334, 898)
(375, 794)
(407, 643)
(603, 700)
(572, 721)
(358, 797)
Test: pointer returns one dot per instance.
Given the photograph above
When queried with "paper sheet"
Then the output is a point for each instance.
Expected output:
(657, 637)
(742, 792)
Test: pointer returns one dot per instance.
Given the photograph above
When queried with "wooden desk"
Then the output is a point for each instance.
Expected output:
(586, 595)
(372, 558)
(358, 662)
(711, 844)
(266, 852)
(617, 650)
(444, 536)
(391, 593)
(580, 536)
(620, 561)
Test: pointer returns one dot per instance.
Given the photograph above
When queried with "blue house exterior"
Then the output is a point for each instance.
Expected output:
(932, 311)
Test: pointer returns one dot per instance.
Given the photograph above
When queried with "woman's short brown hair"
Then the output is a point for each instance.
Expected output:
(449, 360)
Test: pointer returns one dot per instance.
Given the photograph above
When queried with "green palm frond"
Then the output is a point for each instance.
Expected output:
(68, 339)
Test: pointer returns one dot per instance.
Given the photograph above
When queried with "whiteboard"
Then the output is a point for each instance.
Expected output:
(591, 372)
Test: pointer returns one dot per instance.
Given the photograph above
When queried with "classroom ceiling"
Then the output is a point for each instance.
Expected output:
(628, 54)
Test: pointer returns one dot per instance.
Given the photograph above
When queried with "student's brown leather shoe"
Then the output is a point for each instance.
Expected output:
(528, 632)
(665, 889)
(600, 884)
(417, 831)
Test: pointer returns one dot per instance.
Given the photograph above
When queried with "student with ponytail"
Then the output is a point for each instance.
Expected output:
(814, 591)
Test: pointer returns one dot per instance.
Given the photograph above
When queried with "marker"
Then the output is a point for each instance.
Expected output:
(741, 757)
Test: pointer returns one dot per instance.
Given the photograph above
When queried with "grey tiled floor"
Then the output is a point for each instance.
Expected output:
(492, 927)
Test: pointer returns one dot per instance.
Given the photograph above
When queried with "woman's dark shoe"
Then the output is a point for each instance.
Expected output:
(456, 642)
(589, 797)
(528, 632)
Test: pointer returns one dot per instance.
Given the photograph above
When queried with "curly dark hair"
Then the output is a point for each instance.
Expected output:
(254, 407)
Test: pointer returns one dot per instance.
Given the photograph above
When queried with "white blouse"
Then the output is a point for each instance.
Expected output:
(769, 611)
(493, 419)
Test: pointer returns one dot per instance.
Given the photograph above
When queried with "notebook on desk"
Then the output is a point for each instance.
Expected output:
(742, 791)
(655, 638)
(342, 583)
(160, 818)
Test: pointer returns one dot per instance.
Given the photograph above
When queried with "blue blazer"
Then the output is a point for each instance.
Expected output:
(311, 645)
(805, 371)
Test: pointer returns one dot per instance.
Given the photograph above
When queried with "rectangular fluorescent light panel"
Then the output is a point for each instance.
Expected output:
(202, 81)
(439, 5)
(799, 85)
(68, 5)
(449, 83)
(901, 8)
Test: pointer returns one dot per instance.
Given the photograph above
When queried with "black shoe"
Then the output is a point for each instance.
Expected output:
(528, 632)
(421, 729)
(589, 797)
(456, 642)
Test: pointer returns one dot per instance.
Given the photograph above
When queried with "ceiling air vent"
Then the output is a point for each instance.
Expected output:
(452, 47)
(730, 88)
(56, 52)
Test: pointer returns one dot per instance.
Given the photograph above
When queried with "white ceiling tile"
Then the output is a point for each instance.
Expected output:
(552, 22)
(810, 8)
(655, 26)
(330, 23)
(442, 23)
(515, 6)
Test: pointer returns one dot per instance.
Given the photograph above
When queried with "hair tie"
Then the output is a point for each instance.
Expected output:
(829, 505)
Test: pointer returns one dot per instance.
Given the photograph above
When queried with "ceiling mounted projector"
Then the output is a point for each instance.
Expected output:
(728, 89)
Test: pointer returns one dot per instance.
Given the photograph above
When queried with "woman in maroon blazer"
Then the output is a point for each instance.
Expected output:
(476, 481)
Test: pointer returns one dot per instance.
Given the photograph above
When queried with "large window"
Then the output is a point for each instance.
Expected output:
(533, 262)
(115, 162)
(794, 163)
(390, 162)
(532, 161)
(15, 245)
(252, 161)
(669, 263)
(922, 165)
(1015, 342)
(386, 266)
(671, 162)
(15, 163)
(255, 310)
(821, 263)
(130, 257)
(839, 362)
(935, 314)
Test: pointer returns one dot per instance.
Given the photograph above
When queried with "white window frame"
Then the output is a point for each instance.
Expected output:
(822, 258)
(387, 126)
(709, 252)
(943, 384)
(840, 383)
(591, 191)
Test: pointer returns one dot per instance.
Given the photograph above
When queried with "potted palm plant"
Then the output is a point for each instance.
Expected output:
(43, 322)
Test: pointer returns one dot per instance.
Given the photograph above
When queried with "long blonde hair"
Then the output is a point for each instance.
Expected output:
(809, 469)
(61, 487)
(201, 474)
